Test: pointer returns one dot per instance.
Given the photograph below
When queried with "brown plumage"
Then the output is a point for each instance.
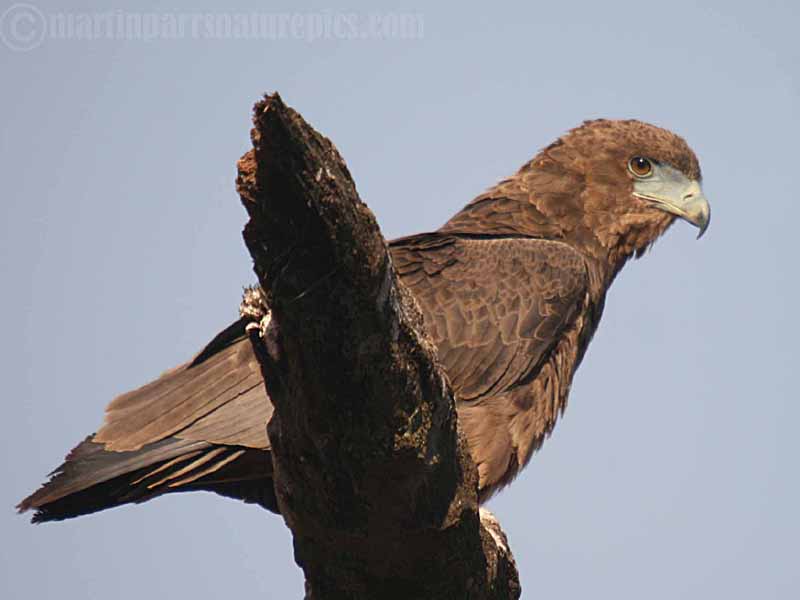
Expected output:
(511, 289)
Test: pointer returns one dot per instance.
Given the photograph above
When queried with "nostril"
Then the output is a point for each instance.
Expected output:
(688, 196)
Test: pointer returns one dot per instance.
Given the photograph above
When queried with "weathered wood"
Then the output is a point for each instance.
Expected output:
(371, 474)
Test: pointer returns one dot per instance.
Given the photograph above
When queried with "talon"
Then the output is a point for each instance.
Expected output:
(254, 305)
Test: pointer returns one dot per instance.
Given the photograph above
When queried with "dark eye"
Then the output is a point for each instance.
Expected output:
(640, 166)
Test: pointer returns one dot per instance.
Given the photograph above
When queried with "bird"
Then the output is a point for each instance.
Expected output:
(511, 289)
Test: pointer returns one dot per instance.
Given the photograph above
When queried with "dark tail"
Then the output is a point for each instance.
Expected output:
(205, 425)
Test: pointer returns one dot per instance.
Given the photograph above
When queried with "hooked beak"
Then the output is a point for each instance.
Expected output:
(689, 204)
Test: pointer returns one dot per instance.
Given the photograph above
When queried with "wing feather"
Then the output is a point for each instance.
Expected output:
(498, 308)
(199, 426)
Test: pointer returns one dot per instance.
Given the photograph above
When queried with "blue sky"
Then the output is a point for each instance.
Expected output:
(674, 470)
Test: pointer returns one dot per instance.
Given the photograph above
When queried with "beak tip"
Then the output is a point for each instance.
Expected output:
(701, 217)
(702, 231)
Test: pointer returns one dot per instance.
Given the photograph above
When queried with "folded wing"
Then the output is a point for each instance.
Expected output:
(199, 426)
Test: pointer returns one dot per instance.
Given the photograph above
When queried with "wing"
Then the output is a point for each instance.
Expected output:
(498, 309)
(494, 307)
(218, 397)
(199, 426)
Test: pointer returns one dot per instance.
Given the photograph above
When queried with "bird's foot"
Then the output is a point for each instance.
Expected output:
(254, 308)
(492, 525)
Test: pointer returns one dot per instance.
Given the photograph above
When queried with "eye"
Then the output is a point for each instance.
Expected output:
(640, 167)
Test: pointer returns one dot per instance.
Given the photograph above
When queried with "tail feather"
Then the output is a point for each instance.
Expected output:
(180, 397)
(200, 426)
(94, 479)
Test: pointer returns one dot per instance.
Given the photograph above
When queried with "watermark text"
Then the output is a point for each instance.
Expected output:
(24, 27)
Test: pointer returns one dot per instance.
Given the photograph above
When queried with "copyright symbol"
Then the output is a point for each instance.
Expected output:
(22, 27)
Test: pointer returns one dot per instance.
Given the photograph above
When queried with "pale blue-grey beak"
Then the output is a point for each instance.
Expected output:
(671, 191)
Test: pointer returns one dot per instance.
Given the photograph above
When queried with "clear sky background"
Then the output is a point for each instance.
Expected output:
(674, 473)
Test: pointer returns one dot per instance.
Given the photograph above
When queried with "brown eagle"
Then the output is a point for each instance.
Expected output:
(511, 289)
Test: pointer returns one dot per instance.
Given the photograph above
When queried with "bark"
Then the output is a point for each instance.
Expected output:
(371, 473)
